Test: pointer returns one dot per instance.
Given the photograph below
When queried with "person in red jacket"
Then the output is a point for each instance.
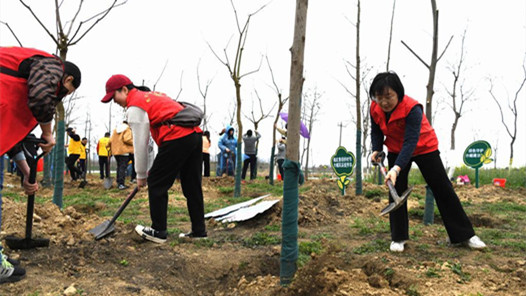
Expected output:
(180, 153)
(32, 83)
(397, 121)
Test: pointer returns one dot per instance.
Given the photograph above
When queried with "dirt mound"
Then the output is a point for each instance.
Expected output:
(61, 227)
(324, 204)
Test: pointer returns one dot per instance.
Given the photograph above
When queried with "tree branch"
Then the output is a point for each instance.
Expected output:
(38, 20)
(500, 109)
(161, 75)
(447, 45)
(414, 53)
(12, 32)
(75, 17)
(104, 14)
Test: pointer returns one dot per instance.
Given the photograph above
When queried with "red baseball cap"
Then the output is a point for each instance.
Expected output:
(115, 82)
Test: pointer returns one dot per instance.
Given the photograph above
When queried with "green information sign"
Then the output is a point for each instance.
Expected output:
(477, 154)
(343, 162)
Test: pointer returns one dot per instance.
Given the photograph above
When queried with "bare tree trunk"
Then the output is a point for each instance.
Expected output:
(281, 103)
(235, 74)
(358, 171)
(314, 109)
(512, 132)
(433, 65)
(429, 204)
(239, 158)
(289, 244)
(63, 40)
(453, 129)
(390, 36)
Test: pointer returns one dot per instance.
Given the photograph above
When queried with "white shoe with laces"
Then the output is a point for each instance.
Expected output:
(397, 246)
(476, 243)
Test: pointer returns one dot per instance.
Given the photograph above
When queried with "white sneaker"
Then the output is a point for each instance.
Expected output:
(475, 243)
(397, 246)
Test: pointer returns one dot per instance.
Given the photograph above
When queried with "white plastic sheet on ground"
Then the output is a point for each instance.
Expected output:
(242, 211)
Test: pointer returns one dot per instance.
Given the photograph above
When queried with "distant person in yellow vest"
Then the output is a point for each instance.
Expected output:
(73, 154)
(82, 158)
(102, 152)
(121, 145)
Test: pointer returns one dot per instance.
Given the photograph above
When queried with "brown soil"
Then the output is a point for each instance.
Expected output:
(125, 264)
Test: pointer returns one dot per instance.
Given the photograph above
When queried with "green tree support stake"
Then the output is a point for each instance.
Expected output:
(429, 210)
(359, 187)
(271, 169)
(237, 187)
(289, 221)
(46, 182)
(476, 177)
(59, 164)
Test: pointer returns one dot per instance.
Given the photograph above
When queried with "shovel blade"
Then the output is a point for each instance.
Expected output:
(17, 243)
(108, 183)
(83, 184)
(102, 230)
(398, 202)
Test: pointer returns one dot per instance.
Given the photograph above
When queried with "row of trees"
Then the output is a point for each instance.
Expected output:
(74, 30)
(459, 95)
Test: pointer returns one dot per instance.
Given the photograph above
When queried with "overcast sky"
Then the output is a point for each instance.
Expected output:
(140, 37)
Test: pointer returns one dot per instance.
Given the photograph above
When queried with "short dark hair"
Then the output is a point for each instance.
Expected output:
(71, 69)
(249, 133)
(384, 80)
(107, 134)
(128, 86)
(84, 139)
(143, 88)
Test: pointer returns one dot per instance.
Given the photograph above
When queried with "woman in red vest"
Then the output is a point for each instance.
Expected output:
(397, 121)
(180, 153)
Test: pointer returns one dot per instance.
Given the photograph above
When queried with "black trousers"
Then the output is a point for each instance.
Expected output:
(206, 162)
(133, 172)
(455, 220)
(104, 167)
(122, 164)
(74, 171)
(251, 160)
(280, 167)
(183, 156)
(82, 166)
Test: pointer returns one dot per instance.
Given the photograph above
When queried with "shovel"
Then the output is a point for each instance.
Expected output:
(108, 226)
(16, 243)
(397, 200)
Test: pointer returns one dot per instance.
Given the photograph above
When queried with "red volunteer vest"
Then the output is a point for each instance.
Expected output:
(16, 119)
(394, 130)
(159, 108)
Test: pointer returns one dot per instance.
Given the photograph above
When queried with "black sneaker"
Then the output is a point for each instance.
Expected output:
(10, 273)
(151, 234)
(193, 235)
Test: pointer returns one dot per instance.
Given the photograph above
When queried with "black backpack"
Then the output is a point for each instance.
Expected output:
(190, 116)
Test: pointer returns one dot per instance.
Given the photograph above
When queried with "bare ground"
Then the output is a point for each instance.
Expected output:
(349, 264)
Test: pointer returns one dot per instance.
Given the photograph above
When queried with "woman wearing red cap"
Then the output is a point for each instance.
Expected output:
(180, 152)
